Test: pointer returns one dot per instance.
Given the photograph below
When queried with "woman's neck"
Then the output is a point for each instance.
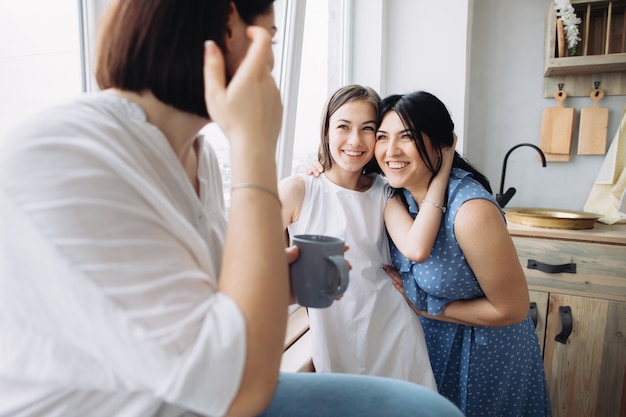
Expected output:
(419, 190)
(349, 180)
(180, 128)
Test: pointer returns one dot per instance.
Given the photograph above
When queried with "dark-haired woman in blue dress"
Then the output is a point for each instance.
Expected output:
(470, 291)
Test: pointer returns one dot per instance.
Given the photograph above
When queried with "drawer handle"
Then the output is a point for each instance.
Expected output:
(533, 313)
(551, 269)
(566, 324)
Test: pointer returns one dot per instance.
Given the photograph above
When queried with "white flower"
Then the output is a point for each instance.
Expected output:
(565, 11)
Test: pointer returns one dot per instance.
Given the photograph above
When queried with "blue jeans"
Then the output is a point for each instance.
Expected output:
(343, 395)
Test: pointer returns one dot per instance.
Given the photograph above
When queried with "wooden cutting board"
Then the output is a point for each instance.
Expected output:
(557, 125)
(593, 126)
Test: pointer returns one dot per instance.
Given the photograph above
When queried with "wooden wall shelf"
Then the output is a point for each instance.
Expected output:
(600, 55)
(585, 64)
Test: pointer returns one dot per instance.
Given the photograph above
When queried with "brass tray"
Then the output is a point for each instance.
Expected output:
(551, 218)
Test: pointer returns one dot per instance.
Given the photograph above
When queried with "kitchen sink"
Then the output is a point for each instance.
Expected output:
(551, 218)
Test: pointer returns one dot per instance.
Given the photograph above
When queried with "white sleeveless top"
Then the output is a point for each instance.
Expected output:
(371, 330)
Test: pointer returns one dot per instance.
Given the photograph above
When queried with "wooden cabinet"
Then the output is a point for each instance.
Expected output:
(577, 283)
(539, 305)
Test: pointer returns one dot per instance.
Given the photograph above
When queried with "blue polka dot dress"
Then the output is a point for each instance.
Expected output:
(485, 371)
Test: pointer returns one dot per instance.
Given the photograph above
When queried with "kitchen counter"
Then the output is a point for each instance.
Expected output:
(601, 232)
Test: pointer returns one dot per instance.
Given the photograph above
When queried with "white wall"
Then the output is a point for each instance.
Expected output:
(426, 46)
(506, 96)
(423, 48)
(36, 70)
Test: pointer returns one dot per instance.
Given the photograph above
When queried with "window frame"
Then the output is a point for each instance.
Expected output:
(289, 79)
(287, 59)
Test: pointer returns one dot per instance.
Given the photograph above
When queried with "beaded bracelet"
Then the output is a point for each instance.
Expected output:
(439, 206)
(259, 187)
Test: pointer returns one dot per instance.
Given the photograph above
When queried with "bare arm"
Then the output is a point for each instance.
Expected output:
(490, 252)
(249, 112)
(415, 238)
(291, 191)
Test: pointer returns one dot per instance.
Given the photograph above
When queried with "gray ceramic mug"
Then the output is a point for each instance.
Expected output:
(320, 274)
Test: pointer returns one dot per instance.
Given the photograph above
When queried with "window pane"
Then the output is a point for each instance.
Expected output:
(312, 91)
(40, 55)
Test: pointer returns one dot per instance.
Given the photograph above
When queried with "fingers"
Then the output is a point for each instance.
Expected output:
(395, 276)
(314, 168)
(214, 75)
(251, 32)
(259, 58)
(317, 168)
(292, 253)
(399, 286)
(248, 107)
(447, 154)
(390, 270)
(310, 170)
(258, 61)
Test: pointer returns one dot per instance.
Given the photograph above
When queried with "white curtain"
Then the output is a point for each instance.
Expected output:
(607, 193)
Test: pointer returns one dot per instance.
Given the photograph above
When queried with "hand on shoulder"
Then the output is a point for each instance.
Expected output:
(314, 168)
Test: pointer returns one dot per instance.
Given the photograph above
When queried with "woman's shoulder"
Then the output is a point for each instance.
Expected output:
(293, 182)
(458, 176)
(464, 188)
(464, 181)
(380, 183)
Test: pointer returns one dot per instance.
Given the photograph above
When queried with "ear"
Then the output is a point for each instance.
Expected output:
(233, 26)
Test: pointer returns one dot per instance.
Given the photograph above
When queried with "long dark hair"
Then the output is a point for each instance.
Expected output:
(422, 112)
(251, 9)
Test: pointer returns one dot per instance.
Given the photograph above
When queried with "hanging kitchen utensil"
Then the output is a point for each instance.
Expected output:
(593, 126)
(557, 124)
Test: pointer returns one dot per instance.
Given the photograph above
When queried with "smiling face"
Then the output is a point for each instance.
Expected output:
(397, 154)
(351, 135)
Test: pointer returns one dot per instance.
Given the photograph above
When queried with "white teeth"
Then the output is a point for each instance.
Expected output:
(396, 165)
(353, 153)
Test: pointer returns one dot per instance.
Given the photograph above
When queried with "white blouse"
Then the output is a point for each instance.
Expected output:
(108, 270)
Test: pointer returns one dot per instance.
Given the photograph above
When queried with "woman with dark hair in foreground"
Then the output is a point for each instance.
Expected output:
(470, 292)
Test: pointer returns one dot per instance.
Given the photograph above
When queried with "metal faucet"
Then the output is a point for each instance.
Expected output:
(502, 198)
